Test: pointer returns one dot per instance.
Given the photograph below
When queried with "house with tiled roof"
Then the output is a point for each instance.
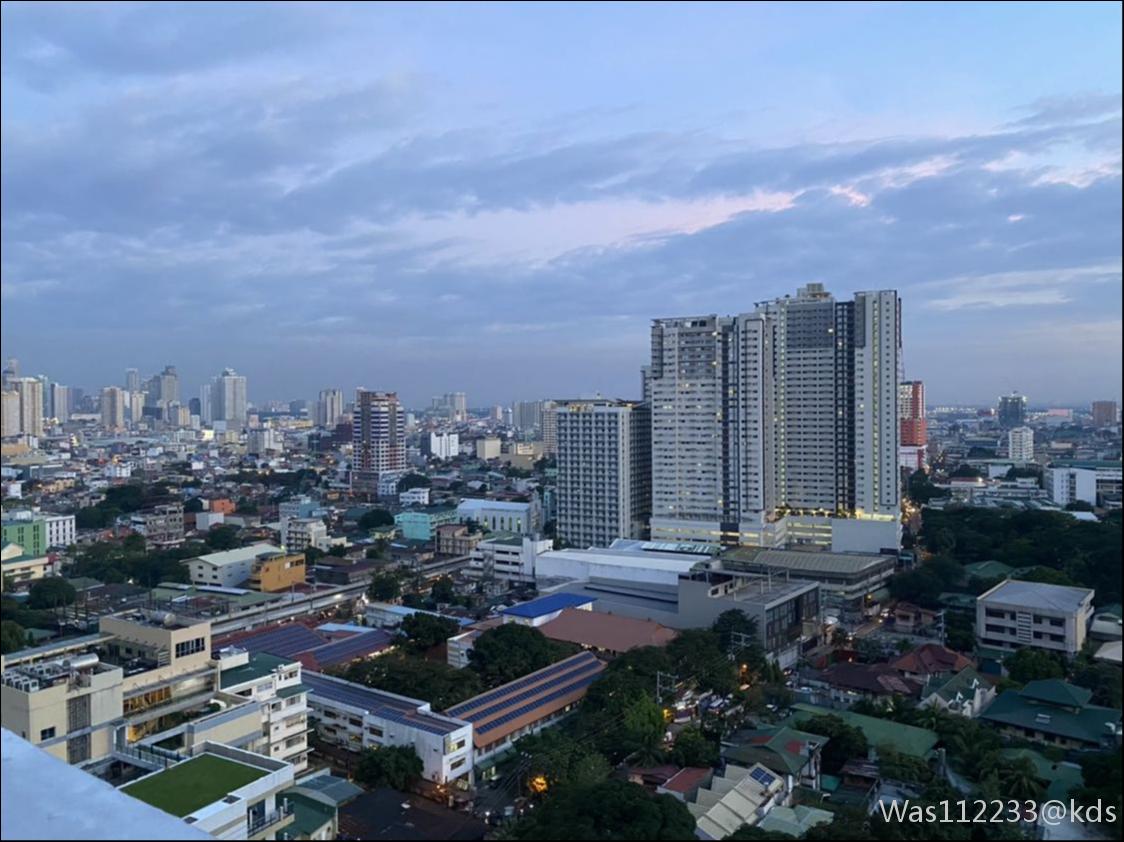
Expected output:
(1055, 713)
(787, 751)
(845, 683)
(931, 660)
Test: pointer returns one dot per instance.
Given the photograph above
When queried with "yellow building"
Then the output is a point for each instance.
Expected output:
(18, 567)
(277, 572)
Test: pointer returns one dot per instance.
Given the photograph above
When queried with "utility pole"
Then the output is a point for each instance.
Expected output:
(666, 682)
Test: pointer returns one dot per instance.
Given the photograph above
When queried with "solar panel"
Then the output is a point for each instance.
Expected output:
(350, 648)
(526, 681)
(378, 704)
(527, 708)
(762, 777)
(570, 675)
(284, 642)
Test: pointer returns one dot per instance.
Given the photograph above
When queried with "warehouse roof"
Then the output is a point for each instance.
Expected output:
(1037, 595)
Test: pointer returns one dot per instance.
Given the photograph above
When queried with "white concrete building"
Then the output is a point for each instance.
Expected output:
(329, 408)
(1020, 444)
(61, 531)
(300, 533)
(357, 717)
(502, 516)
(275, 683)
(442, 445)
(487, 448)
(227, 569)
(508, 557)
(1016, 614)
(414, 497)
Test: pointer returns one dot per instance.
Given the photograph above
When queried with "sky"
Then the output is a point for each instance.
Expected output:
(499, 198)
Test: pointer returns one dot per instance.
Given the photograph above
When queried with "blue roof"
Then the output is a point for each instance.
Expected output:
(547, 605)
(350, 648)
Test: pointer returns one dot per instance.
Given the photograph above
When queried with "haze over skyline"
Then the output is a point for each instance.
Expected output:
(430, 198)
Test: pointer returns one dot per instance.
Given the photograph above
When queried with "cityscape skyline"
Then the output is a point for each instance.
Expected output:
(255, 207)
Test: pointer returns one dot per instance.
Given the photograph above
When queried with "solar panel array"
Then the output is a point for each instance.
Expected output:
(284, 642)
(526, 681)
(377, 704)
(762, 777)
(350, 648)
(567, 677)
(537, 703)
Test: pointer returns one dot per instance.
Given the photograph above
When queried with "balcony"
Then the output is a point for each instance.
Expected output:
(268, 824)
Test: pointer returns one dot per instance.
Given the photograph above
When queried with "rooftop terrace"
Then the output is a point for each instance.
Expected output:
(186, 787)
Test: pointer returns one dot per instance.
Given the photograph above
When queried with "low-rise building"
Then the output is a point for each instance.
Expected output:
(300, 533)
(509, 558)
(455, 539)
(357, 717)
(20, 567)
(279, 571)
(1015, 614)
(230, 568)
(1054, 712)
(421, 524)
(965, 693)
(226, 792)
(414, 497)
(501, 716)
(161, 526)
(502, 516)
(546, 608)
(275, 684)
(788, 752)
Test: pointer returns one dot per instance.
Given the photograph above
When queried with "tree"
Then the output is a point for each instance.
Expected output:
(844, 741)
(413, 481)
(698, 653)
(612, 809)
(561, 760)
(375, 518)
(1029, 664)
(51, 592)
(12, 637)
(337, 550)
(222, 537)
(437, 682)
(442, 590)
(510, 651)
(384, 587)
(395, 766)
(424, 631)
(641, 732)
(1079, 506)
(693, 748)
(193, 506)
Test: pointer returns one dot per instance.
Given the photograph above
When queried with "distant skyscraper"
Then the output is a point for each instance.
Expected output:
(604, 471)
(779, 426)
(10, 373)
(329, 408)
(549, 428)
(1020, 444)
(1105, 413)
(60, 403)
(169, 385)
(378, 437)
(10, 423)
(30, 391)
(135, 404)
(1012, 410)
(527, 415)
(229, 400)
(206, 402)
(132, 380)
(113, 408)
(911, 411)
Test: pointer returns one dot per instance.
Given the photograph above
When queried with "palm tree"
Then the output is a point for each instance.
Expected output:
(1020, 780)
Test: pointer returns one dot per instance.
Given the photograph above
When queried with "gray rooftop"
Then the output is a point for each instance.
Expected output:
(1037, 595)
(807, 561)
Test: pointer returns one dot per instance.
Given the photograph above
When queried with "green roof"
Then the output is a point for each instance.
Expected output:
(1060, 778)
(309, 815)
(794, 821)
(286, 692)
(988, 569)
(948, 686)
(777, 748)
(259, 666)
(908, 739)
(186, 787)
(1056, 692)
(1089, 724)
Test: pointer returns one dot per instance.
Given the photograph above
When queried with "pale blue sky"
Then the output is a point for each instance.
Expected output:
(498, 198)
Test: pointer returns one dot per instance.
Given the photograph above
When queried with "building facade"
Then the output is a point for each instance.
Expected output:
(1020, 444)
(1016, 614)
(378, 437)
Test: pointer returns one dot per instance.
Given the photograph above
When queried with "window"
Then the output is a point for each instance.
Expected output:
(189, 647)
(47, 734)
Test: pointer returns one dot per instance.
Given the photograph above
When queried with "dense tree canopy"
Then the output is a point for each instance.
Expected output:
(1029, 664)
(845, 742)
(440, 684)
(12, 637)
(395, 766)
(612, 809)
(222, 537)
(375, 518)
(51, 592)
(413, 481)
(424, 631)
(384, 587)
(510, 651)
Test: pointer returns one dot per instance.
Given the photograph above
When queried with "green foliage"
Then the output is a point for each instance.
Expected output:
(1046, 575)
(1029, 664)
(1087, 552)
(966, 471)
(193, 506)
(12, 637)
(511, 651)
(1103, 679)
(612, 809)
(337, 550)
(440, 684)
(413, 481)
(1103, 784)
(375, 518)
(384, 587)
(395, 766)
(51, 592)
(845, 742)
(895, 766)
(424, 631)
(921, 490)
(745, 832)
(113, 562)
(1015, 472)
(562, 760)
(1079, 506)
(698, 653)
(442, 590)
(693, 748)
(222, 537)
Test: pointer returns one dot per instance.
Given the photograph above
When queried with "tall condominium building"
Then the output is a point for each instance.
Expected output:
(779, 426)
(10, 373)
(604, 471)
(453, 405)
(228, 401)
(1020, 444)
(1012, 410)
(1105, 413)
(911, 411)
(378, 437)
(132, 380)
(550, 428)
(135, 404)
(10, 420)
(60, 402)
(527, 415)
(30, 391)
(113, 408)
(329, 408)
